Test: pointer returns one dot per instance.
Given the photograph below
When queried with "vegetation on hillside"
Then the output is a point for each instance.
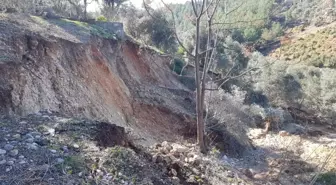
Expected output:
(316, 49)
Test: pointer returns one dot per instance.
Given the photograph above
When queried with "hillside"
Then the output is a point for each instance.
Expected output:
(314, 46)
(83, 102)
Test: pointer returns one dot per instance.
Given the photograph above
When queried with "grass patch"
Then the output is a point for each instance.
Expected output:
(39, 20)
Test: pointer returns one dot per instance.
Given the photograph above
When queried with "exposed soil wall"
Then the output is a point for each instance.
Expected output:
(101, 79)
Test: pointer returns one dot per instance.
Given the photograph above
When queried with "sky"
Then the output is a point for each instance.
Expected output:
(137, 3)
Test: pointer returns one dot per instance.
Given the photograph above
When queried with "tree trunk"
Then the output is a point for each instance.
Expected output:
(199, 104)
(85, 9)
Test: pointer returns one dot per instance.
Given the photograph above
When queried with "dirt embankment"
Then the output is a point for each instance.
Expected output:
(43, 66)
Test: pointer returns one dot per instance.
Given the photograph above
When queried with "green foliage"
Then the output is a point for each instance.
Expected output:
(101, 18)
(76, 163)
(177, 66)
(180, 50)
(270, 34)
(327, 178)
(252, 34)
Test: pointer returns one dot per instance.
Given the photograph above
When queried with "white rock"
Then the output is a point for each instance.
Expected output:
(14, 152)
(179, 148)
(9, 168)
(53, 151)
(75, 145)
(8, 147)
(59, 160)
(30, 140)
(2, 152)
(3, 162)
(17, 136)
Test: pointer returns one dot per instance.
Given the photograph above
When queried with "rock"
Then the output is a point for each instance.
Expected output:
(30, 140)
(10, 163)
(59, 160)
(53, 151)
(8, 147)
(196, 171)
(230, 174)
(21, 157)
(65, 149)
(51, 131)
(283, 133)
(2, 152)
(174, 172)
(260, 176)
(176, 181)
(22, 162)
(32, 146)
(76, 146)
(17, 136)
(179, 148)
(27, 136)
(14, 152)
(9, 168)
(23, 122)
(3, 162)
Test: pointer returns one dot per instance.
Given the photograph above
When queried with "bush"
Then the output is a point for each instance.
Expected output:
(252, 34)
(177, 66)
(270, 34)
(101, 18)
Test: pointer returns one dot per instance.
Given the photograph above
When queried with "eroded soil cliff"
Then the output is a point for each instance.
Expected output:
(61, 66)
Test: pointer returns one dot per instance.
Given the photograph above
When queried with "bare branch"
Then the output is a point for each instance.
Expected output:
(175, 30)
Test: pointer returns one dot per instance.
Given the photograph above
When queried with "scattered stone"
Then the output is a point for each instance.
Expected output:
(9, 168)
(22, 162)
(175, 181)
(59, 160)
(230, 174)
(53, 151)
(51, 131)
(76, 146)
(65, 149)
(14, 152)
(17, 136)
(30, 140)
(10, 163)
(32, 146)
(283, 133)
(260, 176)
(23, 122)
(27, 136)
(37, 137)
(80, 174)
(179, 148)
(2, 152)
(21, 157)
(3, 162)
(174, 172)
(8, 147)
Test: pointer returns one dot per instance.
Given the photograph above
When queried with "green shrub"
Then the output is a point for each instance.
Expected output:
(177, 66)
(101, 18)
(252, 34)
(327, 178)
(180, 50)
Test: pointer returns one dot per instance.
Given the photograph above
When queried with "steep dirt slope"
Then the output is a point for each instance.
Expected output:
(44, 65)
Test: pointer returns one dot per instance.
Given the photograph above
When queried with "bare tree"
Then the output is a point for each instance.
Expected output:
(204, 12)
